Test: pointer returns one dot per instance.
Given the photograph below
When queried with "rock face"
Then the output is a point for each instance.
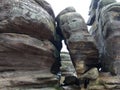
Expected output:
(45, 5)
(92, 11)
(28, 29)
(67, 67)
(105, 82)
(92, 74)
(111, 34)
(105, 30)
(26, 17)
(27, 80)
(19, 51)
(29, 45)
(80, 44)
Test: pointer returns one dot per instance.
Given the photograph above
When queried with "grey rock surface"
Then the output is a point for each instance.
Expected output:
(79, 42)
(26, 17)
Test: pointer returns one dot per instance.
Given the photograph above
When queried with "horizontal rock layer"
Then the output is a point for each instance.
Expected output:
(26, 17)
(105, 30)
(27, 80)
(80, 44)
(67, 67)
(18, 51)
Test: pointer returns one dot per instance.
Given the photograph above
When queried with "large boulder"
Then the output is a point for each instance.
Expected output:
(27, 17)
(105, 30)
(79, 42)
(45, 5)
(22, 52)
(110, 30)
(29, 45)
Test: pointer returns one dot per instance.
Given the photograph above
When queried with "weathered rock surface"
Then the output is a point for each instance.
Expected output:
(19, 51)
(105, 30)
(26, 17)
(45, 5)
(66, 10)
(105, 82)
(67, 67)
(111, 35)
(80, 44)
(29, 45)
(27, 80)
(92, 74)
(92, 11)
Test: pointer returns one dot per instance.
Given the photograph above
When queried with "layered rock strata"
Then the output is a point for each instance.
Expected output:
(29, 44)
(67, 67)
(105, 30)
(80, 44)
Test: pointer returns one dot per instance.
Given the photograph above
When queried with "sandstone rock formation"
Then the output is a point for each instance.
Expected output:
(27, 80)
(92, 11)
(105, 30)
(28, 44)
(80, 44)
(18, 51)
(26, 17)
(111, 37)
(67, 67)
(30, 18)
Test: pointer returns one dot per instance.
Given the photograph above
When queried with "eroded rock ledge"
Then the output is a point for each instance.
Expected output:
(30, 45)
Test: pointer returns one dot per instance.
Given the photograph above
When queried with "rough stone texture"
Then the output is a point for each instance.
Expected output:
(66, 10)
(67, 67)
(98, 81)
(27, 80)
(105, 30)
(45, 5)
(19, 51)
(92, 74)
(92, 11)
(111, 35)
(26, 17)
(101, 4)
(29, 45)
(79, 42)
(105, 82)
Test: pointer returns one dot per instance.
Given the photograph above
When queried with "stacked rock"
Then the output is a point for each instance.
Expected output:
(80, 44)
(27, 35)
(105, 29)
(67, 68)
